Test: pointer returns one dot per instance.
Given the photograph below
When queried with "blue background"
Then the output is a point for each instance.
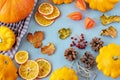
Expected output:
(58, 60)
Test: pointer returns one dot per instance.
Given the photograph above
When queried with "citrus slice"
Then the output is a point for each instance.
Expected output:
(45, 9)
(21, 57)
(41, 20)
(29, 70)
(44, 67)
(54, 15)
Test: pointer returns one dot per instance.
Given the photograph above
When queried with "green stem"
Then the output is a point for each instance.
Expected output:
(115, 58)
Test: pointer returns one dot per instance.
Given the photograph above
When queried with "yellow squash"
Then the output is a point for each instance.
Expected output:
(64, 73)
(102, 5)
(108, 60)
(7, 38)
(62, 1)
(8, 71)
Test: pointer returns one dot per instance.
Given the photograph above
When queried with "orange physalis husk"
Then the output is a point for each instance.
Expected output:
(36, 38)
(80, 4)
(48, 49)
(75, 16)
(89, 23)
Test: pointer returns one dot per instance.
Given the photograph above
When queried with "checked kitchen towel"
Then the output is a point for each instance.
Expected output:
(20, 29)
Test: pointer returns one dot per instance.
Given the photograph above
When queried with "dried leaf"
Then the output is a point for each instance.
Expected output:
(81, 4)
(30, 37)
(89, 23)
(111, 31)
(75, 16)
(49, 49)
(36, 39)
(64, 33)
(109, 19)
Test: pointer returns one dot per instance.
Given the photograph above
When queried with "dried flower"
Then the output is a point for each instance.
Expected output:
(96, 44)
(81, 4)
(111, 31)
(88, 60)
(70, 54)
(75, 16)
(109, 19)
(89, 23)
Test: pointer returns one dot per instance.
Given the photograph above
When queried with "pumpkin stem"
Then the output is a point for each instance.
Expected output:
(115, 58)
(6, 62)
(0, 40)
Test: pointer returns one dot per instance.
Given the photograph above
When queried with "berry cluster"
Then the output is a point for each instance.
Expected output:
(79, 42)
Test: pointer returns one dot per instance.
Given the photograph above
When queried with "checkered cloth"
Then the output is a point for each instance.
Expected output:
(19, 29)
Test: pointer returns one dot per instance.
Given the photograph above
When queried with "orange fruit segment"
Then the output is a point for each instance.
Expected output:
(44, 67)
(29, 70)
(41, 20)
(45, 9)
(54, 15)
(21, 57)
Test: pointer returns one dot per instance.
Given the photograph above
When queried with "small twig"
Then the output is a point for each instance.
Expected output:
(87, 73)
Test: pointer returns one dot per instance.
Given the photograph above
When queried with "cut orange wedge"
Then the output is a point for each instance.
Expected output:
(44, 67)
(21, 57)
(41, 20)
(54, 15)
(29, 70)
(45, 9)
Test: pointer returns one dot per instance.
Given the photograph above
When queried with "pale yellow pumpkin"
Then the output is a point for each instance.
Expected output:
(7, 38)
(15, 10)
(64, 73)
(108, 60)
(8, 70)
(102, 5)
(62, 1)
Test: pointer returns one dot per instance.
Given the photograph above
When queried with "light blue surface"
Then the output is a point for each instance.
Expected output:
(58, 60)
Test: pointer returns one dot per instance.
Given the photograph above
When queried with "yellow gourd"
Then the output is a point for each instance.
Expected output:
(62, 1)
(108, 60)
(102, 5)
(64, 73)
(7, 38)
(8, 71)
(67, 1)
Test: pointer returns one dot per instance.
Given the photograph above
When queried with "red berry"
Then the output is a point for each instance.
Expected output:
(71, 45)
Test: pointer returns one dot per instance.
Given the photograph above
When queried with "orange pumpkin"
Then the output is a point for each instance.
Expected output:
(15, 10)
(8, 70)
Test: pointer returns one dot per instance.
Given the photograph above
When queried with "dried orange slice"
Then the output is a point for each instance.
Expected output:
(44, 67)
(45, 9)
(54, 15)
(29, 70)
(41, 20)
(21, 57)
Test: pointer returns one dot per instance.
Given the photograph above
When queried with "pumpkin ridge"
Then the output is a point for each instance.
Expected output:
(3, 4)
(12, 11)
